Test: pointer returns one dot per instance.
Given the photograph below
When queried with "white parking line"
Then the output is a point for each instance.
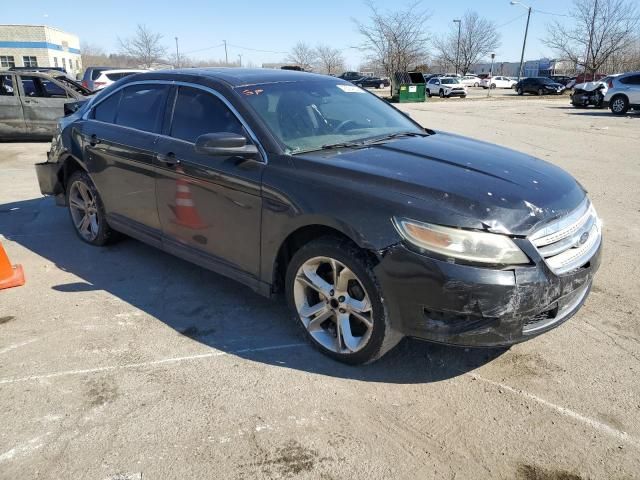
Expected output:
(109, 368)
(17, 345)
(613, 432)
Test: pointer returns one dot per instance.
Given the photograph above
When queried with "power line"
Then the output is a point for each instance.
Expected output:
(255, 49)
(205, 48)
(511, 21)
(552, 13)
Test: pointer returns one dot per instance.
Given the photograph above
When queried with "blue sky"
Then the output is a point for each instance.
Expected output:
(273, 25)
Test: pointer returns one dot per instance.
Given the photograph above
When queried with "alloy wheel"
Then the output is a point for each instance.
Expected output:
(618, 105)
(333, 305)
(84, 210)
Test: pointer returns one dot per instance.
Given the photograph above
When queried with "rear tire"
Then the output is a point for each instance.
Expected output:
(520, 91)
(86, 211)
(619, 105)
(349, 321)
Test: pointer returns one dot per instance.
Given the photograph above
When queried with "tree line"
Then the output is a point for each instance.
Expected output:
(599, 36)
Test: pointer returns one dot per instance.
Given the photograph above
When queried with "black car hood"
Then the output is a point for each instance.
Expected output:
(463, 182)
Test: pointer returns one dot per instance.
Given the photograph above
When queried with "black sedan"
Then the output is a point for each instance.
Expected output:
(372, 82)
(539, 86)
(373, 227)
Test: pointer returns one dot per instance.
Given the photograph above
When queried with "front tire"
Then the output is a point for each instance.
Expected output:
(335, 297)
(619, 105)
(87, 210)
(540, 92)
(441, 94)
(520, 91)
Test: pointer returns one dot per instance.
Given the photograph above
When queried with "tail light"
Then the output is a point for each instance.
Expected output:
(85, 84)
(610, 84)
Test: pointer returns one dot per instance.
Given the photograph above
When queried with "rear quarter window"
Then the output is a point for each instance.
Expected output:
(105, 111)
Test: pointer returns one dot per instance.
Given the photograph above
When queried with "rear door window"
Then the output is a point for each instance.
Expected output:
(197, 112)
(142, 107)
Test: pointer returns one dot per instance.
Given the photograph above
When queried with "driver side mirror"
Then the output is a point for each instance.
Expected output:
(225, 144)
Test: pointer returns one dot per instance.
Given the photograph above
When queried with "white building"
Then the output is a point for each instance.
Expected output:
(39, 46)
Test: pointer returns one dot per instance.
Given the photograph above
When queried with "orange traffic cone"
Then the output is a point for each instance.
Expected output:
(185, 209)
(10, 275)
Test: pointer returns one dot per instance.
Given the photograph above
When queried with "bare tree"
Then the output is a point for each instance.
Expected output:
(145, 46)
(93, 55)
(478, 38)
(303, 56)
(596, 34)
(330, 60)
(397, 39)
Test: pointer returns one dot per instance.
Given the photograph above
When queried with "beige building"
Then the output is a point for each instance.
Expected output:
(39, 46)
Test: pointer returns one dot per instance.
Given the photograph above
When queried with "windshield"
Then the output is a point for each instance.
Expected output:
(310, 115)
(449, 81)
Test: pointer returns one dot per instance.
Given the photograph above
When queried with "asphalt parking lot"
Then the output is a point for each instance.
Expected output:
(125, 362)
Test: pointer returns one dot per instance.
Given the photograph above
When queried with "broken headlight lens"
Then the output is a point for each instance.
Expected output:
(469, 245)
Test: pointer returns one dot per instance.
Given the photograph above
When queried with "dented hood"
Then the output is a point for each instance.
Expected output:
(463, 182)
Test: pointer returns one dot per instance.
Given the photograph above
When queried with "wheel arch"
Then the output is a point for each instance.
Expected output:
(300, 236)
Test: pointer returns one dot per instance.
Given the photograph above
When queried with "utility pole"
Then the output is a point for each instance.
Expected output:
(226, 56)
(177, 54)
(459, 22)
(493, 56)
(589, 49)
(526, 31)
(240, 57)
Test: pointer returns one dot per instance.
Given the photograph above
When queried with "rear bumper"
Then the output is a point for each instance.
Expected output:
(48, 180)
(457, 304)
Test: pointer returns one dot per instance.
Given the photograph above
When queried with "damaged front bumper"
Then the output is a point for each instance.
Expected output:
(458, 304)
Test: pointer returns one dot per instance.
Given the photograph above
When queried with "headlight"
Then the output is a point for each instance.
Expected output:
(470, 245)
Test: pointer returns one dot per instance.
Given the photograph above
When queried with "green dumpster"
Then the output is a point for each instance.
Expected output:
(409, 87)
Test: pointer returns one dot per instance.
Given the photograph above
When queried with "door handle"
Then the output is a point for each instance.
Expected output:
(168, 159)
(94, 140)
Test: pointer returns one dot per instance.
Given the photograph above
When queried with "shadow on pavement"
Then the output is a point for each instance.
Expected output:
(209, 308)
(598, 112)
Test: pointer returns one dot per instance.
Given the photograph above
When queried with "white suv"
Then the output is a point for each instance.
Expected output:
(446, 87)
(623, 93)
(107, 77)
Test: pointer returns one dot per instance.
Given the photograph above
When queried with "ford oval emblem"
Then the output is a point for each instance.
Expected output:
(583, 238)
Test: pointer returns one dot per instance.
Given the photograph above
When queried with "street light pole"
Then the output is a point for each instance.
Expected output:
(526, 31)
(177, 54)
(493, 56)
(226, 56)
(459, 22)
(240, 57)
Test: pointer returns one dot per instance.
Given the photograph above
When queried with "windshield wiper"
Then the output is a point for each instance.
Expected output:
(391, 136)
(330, 146)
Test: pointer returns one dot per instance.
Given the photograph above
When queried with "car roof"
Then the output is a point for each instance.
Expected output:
(124, 70)
(237, 77)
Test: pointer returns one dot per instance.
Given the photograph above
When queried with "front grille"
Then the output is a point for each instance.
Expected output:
(570, 242)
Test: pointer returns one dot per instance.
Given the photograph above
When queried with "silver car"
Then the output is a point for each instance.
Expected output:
(623, 93)
(32, 102)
